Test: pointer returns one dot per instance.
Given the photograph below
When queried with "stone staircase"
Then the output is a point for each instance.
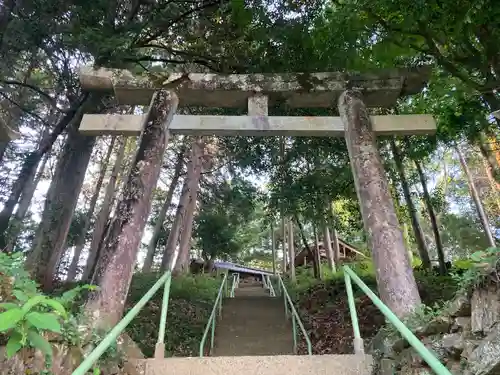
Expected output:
(253, 324)
(253, 337)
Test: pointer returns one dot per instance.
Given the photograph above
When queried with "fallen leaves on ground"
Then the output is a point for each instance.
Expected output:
(328, 323)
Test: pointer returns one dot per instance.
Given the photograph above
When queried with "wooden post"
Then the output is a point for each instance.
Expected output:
(395, 279)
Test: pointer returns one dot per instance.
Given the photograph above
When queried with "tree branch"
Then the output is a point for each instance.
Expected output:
(43, 94)
(180, 18)
(28, 112)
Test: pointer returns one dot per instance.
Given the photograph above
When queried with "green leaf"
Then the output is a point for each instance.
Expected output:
(14, 344)
(477, 256)
(8, 305)
(32, 302)
(69, 295)
(46, 321)
(57, 306)
(20, 295)
(38, 342)
(10, 318)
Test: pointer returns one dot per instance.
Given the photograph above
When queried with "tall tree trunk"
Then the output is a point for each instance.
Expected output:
(102, 217)
(169, 256)
(317, 255)
(327, 243)
(60, 203)
(282, 211)
(148, 262)
(273, 247)
(98, 252)
(336, 247)
(29, 191)
(284, 261)
(80, 242)
(116, 264)
(335, 238)
(396, 282)
(182, 264)
(32, 160)
(433, 219)
(489, 155)
(291, 251)
(475, 197)
(415, 223)
(24, 204)
(310, 252)
(493, 184)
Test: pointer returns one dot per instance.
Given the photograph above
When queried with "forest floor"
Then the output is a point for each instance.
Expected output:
(325, 313)
(190, 304)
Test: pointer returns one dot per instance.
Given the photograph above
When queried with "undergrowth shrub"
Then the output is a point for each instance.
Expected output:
(30, 319)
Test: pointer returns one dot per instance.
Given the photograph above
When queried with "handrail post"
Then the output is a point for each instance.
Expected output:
(212, 338)
(220, 307)
(210, 327)
(284, 298)
(294, 330)
(357, 341)
(290, 309)
(225, 283)
(160, 345)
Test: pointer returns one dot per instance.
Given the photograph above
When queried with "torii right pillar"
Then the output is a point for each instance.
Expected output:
(397, 285)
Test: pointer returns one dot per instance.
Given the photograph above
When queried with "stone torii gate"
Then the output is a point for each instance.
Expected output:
(352, 93)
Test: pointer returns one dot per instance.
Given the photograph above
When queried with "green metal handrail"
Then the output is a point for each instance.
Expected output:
(111, 337)
(295, 317)
(213, 316)
(426, 354)
(267, 281)
(234, 284)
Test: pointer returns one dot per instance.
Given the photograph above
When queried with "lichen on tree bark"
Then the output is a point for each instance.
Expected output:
(115, 266)
(396, 283)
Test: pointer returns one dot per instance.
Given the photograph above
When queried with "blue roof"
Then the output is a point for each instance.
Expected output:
(239, 268)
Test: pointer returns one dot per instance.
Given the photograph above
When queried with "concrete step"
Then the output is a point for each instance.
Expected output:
(251, 291)
(253, 326)
(261, 365)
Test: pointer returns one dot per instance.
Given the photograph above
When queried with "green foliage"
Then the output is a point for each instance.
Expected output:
(482, 266)
(31, 319)
(222, 223)
(191, 301)
(432, 287)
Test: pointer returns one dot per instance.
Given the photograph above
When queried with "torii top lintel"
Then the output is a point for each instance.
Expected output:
(296, 90)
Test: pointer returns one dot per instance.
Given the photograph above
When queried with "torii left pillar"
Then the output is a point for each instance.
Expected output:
(119, 251)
